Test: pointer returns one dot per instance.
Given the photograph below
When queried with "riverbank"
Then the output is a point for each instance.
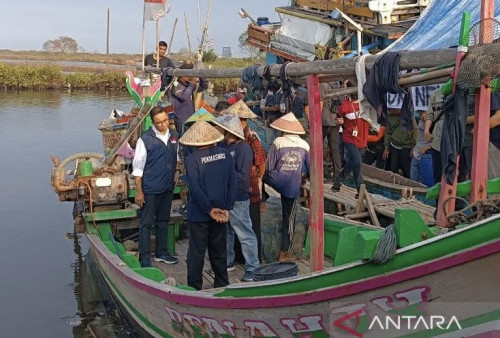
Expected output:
(35, 70)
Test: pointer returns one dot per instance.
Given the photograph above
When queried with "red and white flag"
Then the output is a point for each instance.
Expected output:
(154, 9)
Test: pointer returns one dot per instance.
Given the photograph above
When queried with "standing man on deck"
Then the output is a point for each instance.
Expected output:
(159, 57)
(154, 168)
(240, 221)
(182, 96)
(287, 162)
(211, 179)
(241, 110)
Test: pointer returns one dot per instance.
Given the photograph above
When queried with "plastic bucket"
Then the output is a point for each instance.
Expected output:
(276, 271)
(426, 170)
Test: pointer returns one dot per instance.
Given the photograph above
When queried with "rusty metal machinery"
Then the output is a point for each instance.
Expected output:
(97, 187)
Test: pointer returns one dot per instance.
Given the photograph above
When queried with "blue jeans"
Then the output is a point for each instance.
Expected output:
(271, 134)
(415, 170)
(353, 163)
(241, 224)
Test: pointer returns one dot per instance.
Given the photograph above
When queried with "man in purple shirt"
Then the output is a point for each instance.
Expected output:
(287, 162)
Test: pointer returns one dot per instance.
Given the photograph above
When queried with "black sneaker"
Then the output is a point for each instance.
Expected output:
(247, 277)
(168, 259)
(231, 267)
(336, 187)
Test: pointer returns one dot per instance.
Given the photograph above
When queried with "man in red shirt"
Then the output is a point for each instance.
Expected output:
(354, 135)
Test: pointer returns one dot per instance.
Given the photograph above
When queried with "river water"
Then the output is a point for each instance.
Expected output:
(45, 288)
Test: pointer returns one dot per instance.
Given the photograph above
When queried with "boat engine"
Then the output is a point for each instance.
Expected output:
(101, 186)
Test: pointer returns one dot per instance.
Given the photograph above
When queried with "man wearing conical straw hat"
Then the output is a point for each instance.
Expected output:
(241, 110)
(239, 216)
(287, 162)
(211, 179)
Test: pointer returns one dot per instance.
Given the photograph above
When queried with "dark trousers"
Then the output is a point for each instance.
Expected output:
(400, 159)
(203, 235)
(155, 211)
(352, 163)
(332, 136)
(374, 156)
(287, 205)
(255, 217)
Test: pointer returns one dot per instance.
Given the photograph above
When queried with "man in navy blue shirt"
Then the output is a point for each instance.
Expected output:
(211, 179)
(240, 221)
(154, 165)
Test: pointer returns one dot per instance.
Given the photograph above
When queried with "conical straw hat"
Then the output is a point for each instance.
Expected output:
(241, 110)
(201, 133)
(289, 124)
(230, 123)
(201, 114)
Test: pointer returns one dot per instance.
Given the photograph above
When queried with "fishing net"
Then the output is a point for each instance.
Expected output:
(481, 62)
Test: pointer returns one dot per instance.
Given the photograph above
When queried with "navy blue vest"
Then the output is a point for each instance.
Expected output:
(161, 162)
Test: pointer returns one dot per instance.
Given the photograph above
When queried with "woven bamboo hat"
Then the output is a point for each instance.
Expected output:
(230, 123)
(201, 133)
(241, 110)
(289, 124)
(201, 114)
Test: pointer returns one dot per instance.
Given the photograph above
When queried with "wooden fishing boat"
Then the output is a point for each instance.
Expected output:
(410, 278)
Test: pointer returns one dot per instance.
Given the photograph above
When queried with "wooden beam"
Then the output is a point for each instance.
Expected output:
(479, 174)
(316, 225)
(340, 67)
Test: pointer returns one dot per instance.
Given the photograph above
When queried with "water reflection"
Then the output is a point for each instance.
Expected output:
(41, 271)
(96, 314)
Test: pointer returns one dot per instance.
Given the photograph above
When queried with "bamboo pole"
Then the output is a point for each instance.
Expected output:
(441, 75)
(172, 37)
(187, 33)
(143, 113)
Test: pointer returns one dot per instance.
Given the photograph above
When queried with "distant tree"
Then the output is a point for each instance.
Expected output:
(209, 56)
(254, 52)
(184, 50)
(63, 44)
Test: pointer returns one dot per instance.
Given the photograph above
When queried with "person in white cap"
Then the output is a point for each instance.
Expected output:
(211, 179)
(287, 162)
(240, 221)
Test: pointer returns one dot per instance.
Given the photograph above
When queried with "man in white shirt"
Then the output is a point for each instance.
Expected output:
(154, 167)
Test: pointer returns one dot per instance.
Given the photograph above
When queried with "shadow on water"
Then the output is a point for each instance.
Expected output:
(97, 314)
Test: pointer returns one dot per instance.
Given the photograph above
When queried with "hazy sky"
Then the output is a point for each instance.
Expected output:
(37, 21)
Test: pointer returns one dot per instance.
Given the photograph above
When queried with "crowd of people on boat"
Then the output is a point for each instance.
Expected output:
(226, 163)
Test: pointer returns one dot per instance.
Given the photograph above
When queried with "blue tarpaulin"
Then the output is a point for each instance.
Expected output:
(439, 25)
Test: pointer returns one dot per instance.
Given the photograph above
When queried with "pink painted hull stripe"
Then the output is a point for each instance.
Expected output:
(312, 296)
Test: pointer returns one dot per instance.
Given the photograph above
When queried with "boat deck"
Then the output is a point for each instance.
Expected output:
(179, 271)
(382, 205)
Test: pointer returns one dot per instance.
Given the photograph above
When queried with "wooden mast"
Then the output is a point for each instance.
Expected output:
(316, 201)
(479, 175)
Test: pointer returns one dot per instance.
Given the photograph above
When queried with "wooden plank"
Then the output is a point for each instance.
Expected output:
(371, 210)
(358, 215)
